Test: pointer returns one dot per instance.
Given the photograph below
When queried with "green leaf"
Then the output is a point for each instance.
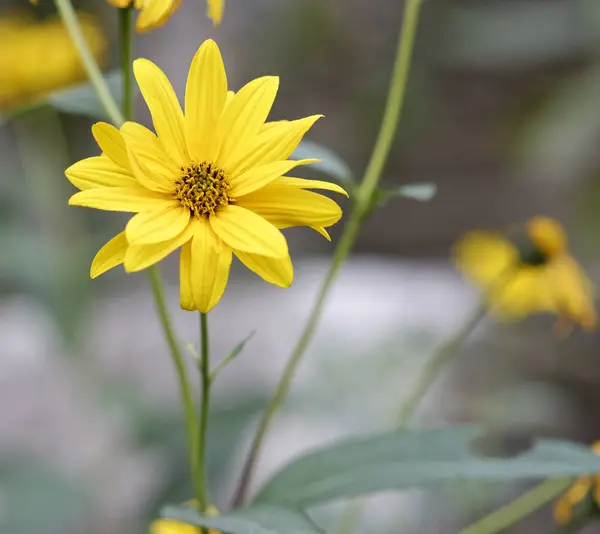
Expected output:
(82, 100)
(422, 192)
(330, 164)
(264, 519)
(78, 99)
(234, 353)
(416, 458)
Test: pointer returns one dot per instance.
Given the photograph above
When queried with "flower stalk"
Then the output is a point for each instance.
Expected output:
(205, 383)
(362, 205)
(436, 363)
(515, 511)
(94, 74)
(187, 397)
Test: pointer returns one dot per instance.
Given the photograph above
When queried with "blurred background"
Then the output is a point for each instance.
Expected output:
(502, 113)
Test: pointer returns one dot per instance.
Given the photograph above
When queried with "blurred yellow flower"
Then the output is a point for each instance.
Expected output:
(215, 10)
(583, 486)
(37, 58)
(531, 274)
(211, 181)
(169, 526)
(154, 13)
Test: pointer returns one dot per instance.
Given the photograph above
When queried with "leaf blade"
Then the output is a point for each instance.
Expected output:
(263, 519)
(414, 458)
(82, 99)
(330, 163)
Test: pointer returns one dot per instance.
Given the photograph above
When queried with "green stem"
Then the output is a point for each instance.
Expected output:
(351, 515)
(523, 506)
(394, 103)
(364, 194)
(435, 365)
(205, 376)
(69, 17)
(126, 35)
(179, 363)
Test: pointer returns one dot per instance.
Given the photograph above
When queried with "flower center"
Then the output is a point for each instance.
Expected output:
(202, 188)
(529, 253)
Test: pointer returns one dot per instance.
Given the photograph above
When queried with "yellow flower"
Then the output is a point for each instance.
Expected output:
(169, 526)
(215, 11)
(531, 274)
(154, 13)
(37, 58)
(563, 508)
(211, 181)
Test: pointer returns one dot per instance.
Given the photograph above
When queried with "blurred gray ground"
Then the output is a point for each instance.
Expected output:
(501, 113)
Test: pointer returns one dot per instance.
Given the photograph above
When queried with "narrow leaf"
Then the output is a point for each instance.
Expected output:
(422, 192)
(264, 519)
(82, 100)
(330, 164)
(235, 352)
(416, 458)
(78, 99)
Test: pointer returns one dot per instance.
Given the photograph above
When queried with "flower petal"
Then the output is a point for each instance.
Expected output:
(322, 231)
(131, 199)
(244, 230)
(258, 177)
(140, 257)
(164, 108)
(526, 291)
(99, 172)
(275, 143)
(291, 206)
(186, 292)
(572, 291)
(111, 143)
(151, 166)
(277, 271)
(155, 226)
(221, 279)
(155, 13)
(205, 95)
(169, 526)
(204, 268)
(109, 256)
(483, 256)
(302, 183)
(215, 10)
(244, 116)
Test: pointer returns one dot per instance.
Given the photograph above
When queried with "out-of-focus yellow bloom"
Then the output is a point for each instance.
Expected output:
(168, 526)
(154, 13)
(563, 508)
(215, 11)
(531, 274)
(209, 182)
(37, 58)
